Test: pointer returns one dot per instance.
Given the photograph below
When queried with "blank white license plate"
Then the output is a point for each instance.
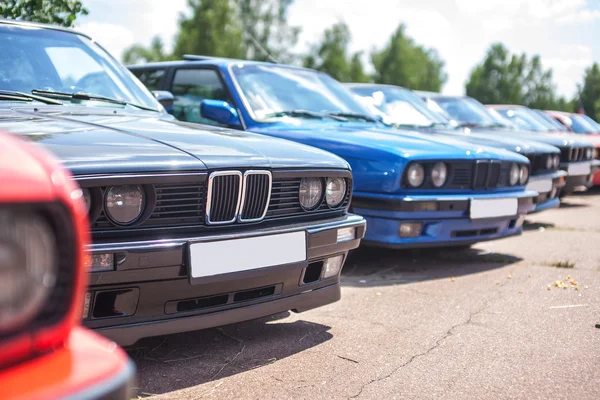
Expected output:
(492, 208)
(580, 169)
(226, 256)
(540, 186)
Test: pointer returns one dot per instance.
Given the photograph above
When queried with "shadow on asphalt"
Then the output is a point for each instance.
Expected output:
(532, 226)
(593, 191)
(371, 266)
(180, 361)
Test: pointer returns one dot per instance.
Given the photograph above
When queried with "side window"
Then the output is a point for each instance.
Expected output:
(151, 78)
(190, 87)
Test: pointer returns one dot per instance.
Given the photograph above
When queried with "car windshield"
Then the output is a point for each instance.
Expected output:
(48, 60)
(524, 118)
(274, 91)
(469, 111)
(583, 124)
(401, 106)
(551, 122)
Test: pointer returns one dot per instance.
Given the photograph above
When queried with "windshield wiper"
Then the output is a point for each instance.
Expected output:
(20, 96)
(87, 96)
(302, 114)
(342, 114)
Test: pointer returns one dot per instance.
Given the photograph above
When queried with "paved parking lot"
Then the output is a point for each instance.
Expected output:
(490, 322)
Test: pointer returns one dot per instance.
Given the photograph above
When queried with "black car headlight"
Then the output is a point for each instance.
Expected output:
(515, 172)
(549, 162)
(415, 175)
(124, 204)
(87, 198)
(589, 154)
(439, 173)
(28, 267)
(335, 191)
(523, 174)
(556, 161)
(311, 193)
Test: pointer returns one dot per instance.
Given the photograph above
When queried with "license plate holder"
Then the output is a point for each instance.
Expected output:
(493, 208)
(584, 168)
(540, 186)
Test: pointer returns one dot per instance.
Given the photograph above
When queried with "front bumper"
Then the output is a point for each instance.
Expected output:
(548, 187)
(577, 180)
(449, 225)
(87, 367)
(151, 292)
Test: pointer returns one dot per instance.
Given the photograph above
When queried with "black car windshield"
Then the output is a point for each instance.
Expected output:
(48, 60)
(275, 91)
(400, 105)
(524, 118)
(468, 111)
(583, 124)
(551, 122)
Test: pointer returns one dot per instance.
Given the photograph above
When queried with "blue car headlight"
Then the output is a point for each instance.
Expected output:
(415, 175)
(515, 173)
(439, 173)
(524, 174)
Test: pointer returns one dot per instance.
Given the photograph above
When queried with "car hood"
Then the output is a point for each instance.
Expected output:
(93, 141)
(558, 140)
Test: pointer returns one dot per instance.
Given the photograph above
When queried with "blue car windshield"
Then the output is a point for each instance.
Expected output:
(467, 111)
(269, 90)
(401, 106)
(41, 59)
(551, 122)
(524, 118)
(583, 124)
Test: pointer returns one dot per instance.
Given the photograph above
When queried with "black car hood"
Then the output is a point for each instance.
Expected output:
(105, 142)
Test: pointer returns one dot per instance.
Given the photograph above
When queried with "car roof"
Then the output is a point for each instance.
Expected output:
(27, 24)
(505, 106)
(220, 61)
(354, 84)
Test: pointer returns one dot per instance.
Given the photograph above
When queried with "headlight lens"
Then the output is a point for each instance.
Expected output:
(124, 204)
(549, 162)
(311, 193)
(514, 174)
(524, 174)
(335, 191)
(556, 161)
(439, 172)
(28, 268)
(588, 154)
(87, 198)
(415, 175)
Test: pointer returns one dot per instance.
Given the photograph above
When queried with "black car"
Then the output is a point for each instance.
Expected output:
(193, 226)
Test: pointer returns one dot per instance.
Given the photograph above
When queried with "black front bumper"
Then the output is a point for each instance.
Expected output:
(150, 293)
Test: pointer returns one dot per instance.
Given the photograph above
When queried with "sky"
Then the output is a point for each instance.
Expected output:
(563, 32)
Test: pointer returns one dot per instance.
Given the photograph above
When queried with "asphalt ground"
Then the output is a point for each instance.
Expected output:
(514, 318)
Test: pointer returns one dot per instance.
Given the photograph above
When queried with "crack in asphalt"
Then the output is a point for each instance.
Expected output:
(437, 343)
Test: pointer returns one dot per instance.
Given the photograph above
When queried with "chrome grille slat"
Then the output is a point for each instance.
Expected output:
(223, 199)
(257, 192)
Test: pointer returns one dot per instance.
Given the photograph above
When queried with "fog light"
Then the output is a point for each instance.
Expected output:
(410, 229)
(103, 262)
(332, 266)
(426, 206)
(346, 234)
(87, 301)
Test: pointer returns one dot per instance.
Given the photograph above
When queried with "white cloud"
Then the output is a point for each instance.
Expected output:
(114, 38)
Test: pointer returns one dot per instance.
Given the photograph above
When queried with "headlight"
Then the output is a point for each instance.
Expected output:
(556, 161)
(588, 154)
(87, 198)
(524, 174)
(549, 162)
(124, 204)
(335, 191)
(415, 175)
(28, 268)
(514, 174)
(311, 193)
(439, 172)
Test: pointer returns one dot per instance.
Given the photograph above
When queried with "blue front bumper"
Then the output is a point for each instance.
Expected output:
(448, 226)
(548, 187)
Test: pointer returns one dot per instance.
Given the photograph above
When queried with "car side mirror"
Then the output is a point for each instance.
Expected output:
(165, 98)
(221, 112)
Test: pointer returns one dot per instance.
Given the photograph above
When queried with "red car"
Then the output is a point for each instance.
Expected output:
(44, 352)
(584, 125)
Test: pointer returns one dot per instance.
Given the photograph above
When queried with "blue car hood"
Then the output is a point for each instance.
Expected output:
(558, 140)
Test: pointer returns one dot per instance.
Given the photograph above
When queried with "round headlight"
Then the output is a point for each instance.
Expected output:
(556, 161)
(439, 172)
(514, 174)
(28, 268)
(524, 174)
(124, 204)
(588, 154)
(87, 198)
(311, 193)
(549, 162)
(335, 191)
(415, 175)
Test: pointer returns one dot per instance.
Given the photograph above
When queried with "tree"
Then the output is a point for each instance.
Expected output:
(403, 62)
(357, 71)
(331, 54)
(137, 54)
(590, 92)
(56, 12)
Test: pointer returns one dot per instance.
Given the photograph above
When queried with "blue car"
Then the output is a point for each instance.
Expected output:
(413, 190)
(403, 109)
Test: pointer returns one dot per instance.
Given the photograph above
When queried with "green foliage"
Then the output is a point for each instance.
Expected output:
(403, 62)
(331, 54)
(590, 92)
(137, 54)
(357, 71)
(56, 12)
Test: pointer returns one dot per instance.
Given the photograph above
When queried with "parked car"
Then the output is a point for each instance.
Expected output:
(576, 154)
(44, 351)
(412, 189)
(553, 124)
(584, 124)
(193, 226)
(405, 110)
